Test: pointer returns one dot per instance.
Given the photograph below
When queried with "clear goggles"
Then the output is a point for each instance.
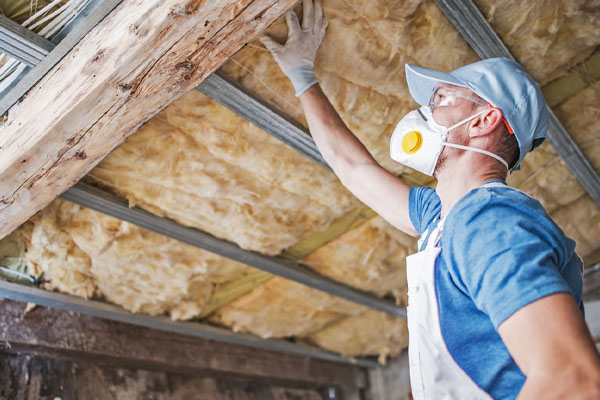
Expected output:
(443, 97)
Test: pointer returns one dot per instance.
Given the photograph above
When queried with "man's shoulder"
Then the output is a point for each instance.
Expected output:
(502, 216)
(424, 207)
(496, 204)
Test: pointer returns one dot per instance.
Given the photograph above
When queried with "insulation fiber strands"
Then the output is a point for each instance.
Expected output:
(85, 253)
(281, 308)
(371, 332)
(361, 66)
(370, 257)
(580, 115)
(203, 166)
(547, 36)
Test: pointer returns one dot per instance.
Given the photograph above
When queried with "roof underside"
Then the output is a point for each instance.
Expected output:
(203, 166)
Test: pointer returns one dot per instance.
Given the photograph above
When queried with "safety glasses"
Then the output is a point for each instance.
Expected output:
(443, 97)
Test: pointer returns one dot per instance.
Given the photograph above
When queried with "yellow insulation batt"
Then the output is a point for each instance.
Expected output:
(547, 36)
(85, 253)
(371, 332)
(203, 166)
(370, 257)
(580, 115)
(280, 308)
(361, 66)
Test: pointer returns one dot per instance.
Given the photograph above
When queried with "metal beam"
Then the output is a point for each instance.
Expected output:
(21, 43)
(107, 203)
(58, 51)
(473, 26)
(243, 102)
(98, 309)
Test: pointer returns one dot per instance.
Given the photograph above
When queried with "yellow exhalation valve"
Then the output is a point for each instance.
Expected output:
(411, 142)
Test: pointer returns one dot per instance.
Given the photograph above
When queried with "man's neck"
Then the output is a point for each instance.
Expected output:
(454, 185)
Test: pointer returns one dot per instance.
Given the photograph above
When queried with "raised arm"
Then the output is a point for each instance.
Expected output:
(385, 193)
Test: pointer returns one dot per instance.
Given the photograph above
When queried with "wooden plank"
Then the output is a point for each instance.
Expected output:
(111, 312)
(29, 375)
(140, 58)
(64, 332)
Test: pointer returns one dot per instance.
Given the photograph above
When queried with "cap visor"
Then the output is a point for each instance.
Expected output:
(421, 82)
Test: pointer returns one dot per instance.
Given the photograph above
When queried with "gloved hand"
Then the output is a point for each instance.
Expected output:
(297, 56)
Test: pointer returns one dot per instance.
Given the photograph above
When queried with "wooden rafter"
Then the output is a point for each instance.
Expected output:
(134, 63)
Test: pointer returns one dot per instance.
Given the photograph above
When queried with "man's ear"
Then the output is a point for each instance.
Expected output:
(486, 123)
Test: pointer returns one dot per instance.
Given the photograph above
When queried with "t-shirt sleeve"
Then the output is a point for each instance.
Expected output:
(502, 256)
(424, 206)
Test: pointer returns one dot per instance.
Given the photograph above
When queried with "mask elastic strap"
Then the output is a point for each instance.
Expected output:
(466, 120)
(475, 149)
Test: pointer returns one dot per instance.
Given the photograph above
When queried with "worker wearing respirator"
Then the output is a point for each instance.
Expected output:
(495, 289)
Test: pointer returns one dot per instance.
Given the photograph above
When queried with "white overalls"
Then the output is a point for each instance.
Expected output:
(433, 372)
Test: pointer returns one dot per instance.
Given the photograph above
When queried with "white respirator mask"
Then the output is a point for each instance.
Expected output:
(418, 141)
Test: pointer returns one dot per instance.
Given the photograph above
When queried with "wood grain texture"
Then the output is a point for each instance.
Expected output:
(52, 332)
(35, 376)
(138, 60)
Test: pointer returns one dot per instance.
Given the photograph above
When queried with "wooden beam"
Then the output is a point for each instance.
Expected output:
(139, 59)
(59, 332)
(111, 312)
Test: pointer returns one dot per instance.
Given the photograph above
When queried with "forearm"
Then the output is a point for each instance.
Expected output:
(338, 145)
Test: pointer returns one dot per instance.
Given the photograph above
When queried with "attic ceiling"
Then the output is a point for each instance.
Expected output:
(204, 166)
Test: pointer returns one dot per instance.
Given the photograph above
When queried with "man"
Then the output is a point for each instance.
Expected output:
(495, 306)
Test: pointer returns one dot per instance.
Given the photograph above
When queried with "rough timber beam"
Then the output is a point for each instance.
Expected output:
(472, 25)
(98, 309)
(139, 59)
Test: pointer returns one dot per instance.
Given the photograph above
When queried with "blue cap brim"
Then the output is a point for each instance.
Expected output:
(421, 82)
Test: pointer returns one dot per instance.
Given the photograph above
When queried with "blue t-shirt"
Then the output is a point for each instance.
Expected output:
(500, 252)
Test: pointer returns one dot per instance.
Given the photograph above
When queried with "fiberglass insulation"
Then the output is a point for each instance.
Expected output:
(369, 257)
(280, 308)
(546, 36)
(200, 164)
(85, 253)
(385, 335)
(361, 66)
(204, 166)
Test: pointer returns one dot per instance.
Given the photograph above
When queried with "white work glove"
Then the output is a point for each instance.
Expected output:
(297, 56)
